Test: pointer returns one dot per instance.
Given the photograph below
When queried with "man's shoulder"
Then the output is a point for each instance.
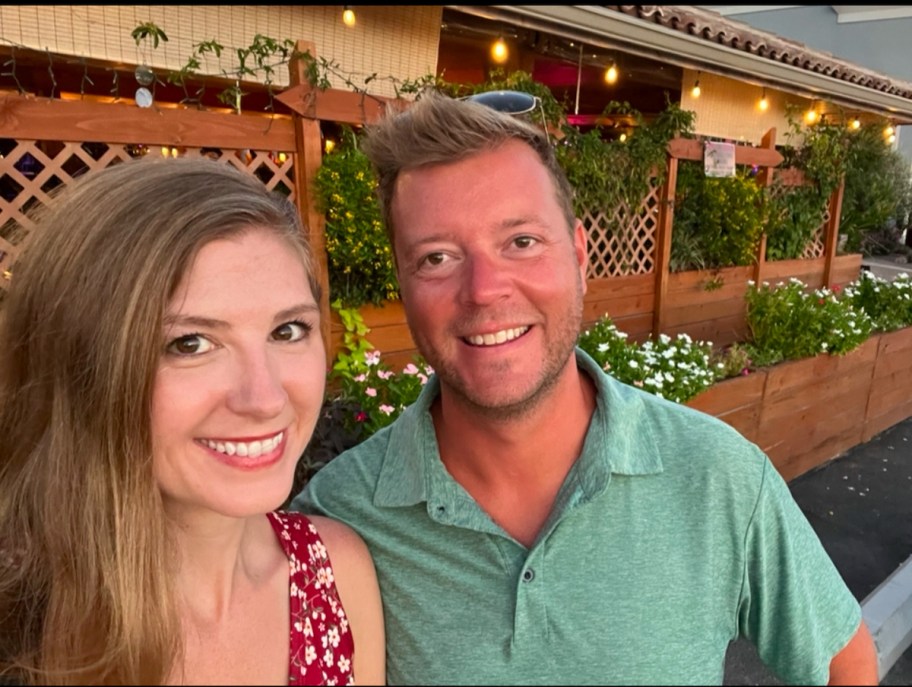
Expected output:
(353, 471)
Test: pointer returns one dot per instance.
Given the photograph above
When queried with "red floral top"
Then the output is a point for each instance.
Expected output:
(321, 642)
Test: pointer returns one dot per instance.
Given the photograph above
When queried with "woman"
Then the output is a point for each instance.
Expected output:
(161, 371)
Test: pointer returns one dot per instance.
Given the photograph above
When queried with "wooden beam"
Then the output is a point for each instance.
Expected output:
(28, 118)
(663, 246)
(308, 158)
(831, 239)
(764, 179)
(692, 149)
(332, 104)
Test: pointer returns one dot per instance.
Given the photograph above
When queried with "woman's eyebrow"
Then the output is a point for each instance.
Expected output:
(294, 311)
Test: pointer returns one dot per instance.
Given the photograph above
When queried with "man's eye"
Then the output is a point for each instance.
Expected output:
(190, 344)
(434, 259)
(292, 331)
(524, 242)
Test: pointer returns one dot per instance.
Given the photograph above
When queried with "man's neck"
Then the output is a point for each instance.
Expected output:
(514, 468)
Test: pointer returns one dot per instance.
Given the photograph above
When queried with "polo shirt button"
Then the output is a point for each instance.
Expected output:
(528, 575)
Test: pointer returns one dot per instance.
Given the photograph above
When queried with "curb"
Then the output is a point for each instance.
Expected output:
(887, 611)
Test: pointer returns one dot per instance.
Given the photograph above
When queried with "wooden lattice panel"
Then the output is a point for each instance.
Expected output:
(622, 242)
(816, 247)
(30, 171)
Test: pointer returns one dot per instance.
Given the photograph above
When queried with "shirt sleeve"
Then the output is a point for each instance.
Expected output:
(795, 607)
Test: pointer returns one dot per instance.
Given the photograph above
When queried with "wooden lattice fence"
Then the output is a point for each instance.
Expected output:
(623, 242)
(31, 171)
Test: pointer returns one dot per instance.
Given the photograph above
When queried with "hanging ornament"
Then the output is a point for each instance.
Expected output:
(144, 77)
(143, 97)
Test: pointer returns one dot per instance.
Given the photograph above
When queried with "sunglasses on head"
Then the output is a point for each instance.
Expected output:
(511, 102)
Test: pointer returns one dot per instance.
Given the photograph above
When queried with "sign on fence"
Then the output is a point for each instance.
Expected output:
(719, 159)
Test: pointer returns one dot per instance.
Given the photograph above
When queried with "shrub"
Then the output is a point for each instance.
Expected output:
(718, 221)
(887, 303)
(358, 251)
(787, 322)
(673, 368)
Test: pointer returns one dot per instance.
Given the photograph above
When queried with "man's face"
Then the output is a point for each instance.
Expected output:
(492, 279)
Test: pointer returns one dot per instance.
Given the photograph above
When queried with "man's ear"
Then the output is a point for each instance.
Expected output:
(580, 246)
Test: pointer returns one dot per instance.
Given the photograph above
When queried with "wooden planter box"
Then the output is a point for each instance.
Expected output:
(804, 413)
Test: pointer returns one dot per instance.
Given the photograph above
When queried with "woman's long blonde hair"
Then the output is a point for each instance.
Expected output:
(86, 568)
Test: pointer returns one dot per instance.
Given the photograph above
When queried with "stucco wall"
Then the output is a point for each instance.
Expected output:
(728, 109)
(396, 41)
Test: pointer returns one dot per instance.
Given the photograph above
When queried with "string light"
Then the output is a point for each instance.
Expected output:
(611, 74)
(764, 103)
(856, 123)
(695, 91)
(811, 115)
(348, 16)
(499, 51)
(329, 145)
(889, 131)
(622, 138)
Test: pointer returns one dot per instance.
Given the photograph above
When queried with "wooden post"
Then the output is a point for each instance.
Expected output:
(308, 157)
(832, 232)
(663, 245)
(764, 179)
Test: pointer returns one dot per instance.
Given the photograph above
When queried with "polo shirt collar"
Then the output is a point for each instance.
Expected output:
(619, 440)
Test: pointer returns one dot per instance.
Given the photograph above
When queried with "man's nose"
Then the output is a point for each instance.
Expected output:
(485, 280)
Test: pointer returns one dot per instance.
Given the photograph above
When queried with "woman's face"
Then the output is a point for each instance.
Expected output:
(241, 378)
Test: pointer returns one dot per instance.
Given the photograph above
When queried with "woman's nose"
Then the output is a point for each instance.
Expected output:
(257, 389)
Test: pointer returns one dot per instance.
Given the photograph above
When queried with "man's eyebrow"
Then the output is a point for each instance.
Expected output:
(291, 313)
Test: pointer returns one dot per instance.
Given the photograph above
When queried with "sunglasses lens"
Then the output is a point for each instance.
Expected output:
(509, 102)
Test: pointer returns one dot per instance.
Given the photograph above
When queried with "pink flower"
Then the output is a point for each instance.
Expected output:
(361, 416)
(745, 372)
(371, 391)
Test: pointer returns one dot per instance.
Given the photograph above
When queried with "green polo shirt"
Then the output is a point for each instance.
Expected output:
(671, 536)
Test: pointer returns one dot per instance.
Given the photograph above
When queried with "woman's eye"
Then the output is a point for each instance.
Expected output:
(291, 331)
(190, 344)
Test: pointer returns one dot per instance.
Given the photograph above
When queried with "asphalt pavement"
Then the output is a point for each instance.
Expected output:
(860, 505)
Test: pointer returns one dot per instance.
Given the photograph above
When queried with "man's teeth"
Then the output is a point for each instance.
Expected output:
(497, 337)
(245, 449)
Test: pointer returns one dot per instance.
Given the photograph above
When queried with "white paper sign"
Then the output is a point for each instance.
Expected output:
(719, 159)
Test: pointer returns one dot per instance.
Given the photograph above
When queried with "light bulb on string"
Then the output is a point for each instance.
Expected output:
(611, 74)
(348, 16)
(499, 51)
(695, 91)
(764, 102)
(889, 131)
(855, 123)
(810, 116)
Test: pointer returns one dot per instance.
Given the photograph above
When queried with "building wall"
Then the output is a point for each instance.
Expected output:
(728, 109)
(880, 45)
(391, 41)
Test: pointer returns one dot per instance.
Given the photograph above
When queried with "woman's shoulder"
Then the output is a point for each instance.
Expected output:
(340, 540)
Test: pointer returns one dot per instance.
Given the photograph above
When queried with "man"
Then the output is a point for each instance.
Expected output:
(532, 520)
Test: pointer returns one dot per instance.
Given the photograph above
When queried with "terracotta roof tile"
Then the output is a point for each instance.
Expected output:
(713, 27)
